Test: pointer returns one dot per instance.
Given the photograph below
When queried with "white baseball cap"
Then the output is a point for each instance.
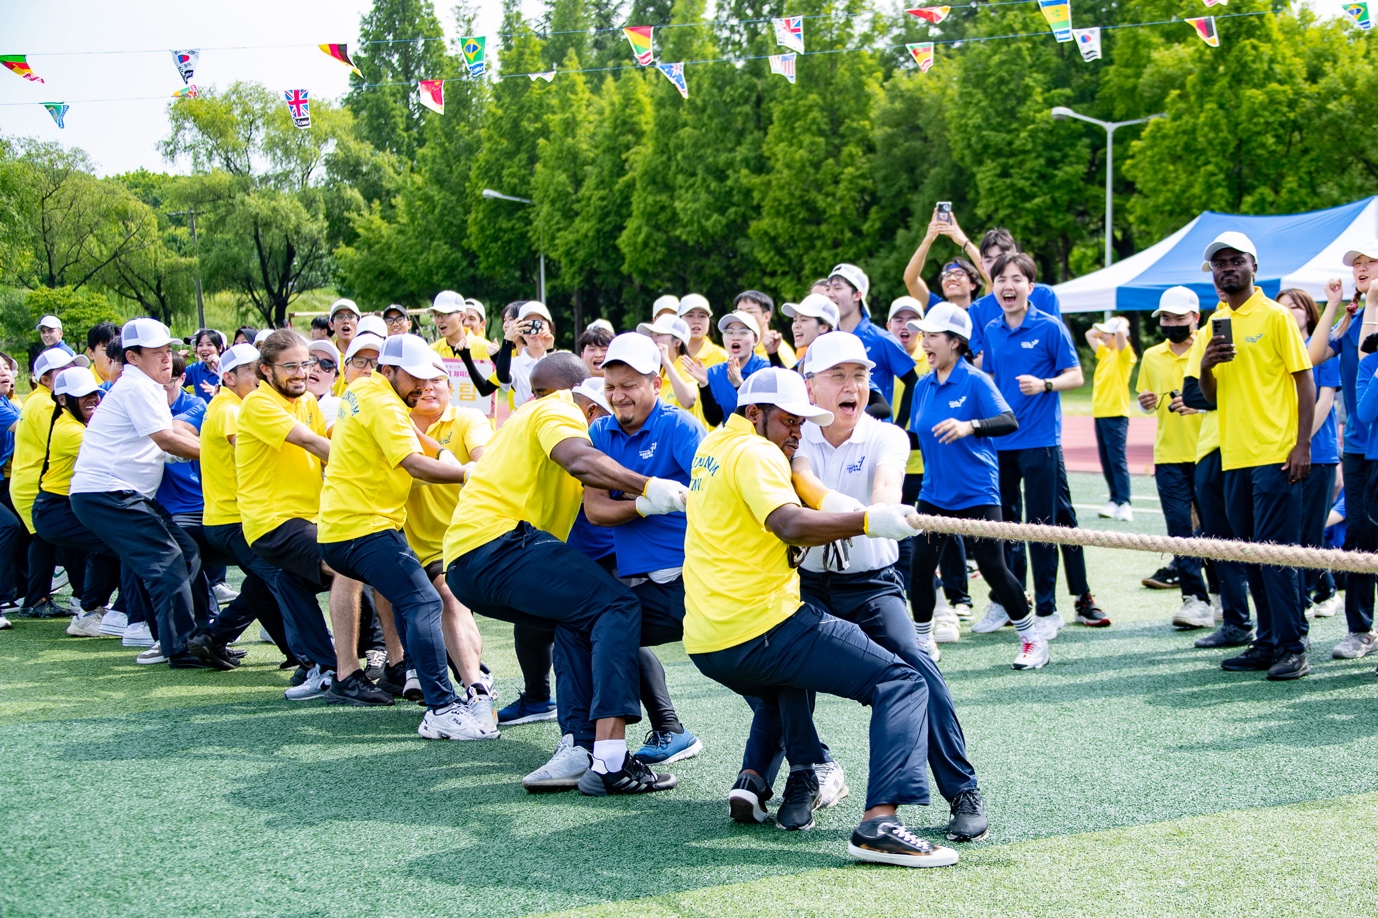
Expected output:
(635, 350)
(1228, 240)
(900, 304)
(54, 358)
(368, 341)
(603, 324)
(944, 317)
(667, 303)
(785, 390)
(344, 305)
(856, 277)
(1369, 249)
(144, 333)
(49, 322)
(446, 302)
(691, 301)
(77, 381)
(411, 354)
(244, 354)
(1113, 325)
(744, 318)
(372, 325)
(592, 389)
(1178, 301)
(816, 306)
(534, 308)
(827, 351)
(474, 306)
(665, 325)
(324, 348)
(264, 333)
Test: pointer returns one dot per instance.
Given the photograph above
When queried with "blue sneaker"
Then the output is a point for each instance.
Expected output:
(524, 711)
(663, 747)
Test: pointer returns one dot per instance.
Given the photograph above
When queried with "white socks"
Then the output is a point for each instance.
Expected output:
(924, 629)
(609, 755)
(1025, 625)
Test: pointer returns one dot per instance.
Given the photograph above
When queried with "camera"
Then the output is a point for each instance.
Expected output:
(536, 325)
(1172, 396)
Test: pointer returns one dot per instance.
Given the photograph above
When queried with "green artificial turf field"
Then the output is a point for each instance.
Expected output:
(1130, 777)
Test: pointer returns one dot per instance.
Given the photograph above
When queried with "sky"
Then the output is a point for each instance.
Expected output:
(121, 136)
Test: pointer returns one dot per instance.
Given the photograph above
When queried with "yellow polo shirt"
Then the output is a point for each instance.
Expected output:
(430, 506)
(787, 356)
(478, 349)
(62, 454)
(277, 481)
(1256, 397)
(738, 583)
(1110, 381)
(1209, 440)
(30, 442)
(366, 487)
(1177, 435)
(711, 354)
(219, 479)
(517, 481)
(921, 367)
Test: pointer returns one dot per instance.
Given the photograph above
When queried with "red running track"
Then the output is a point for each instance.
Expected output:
(1079, 444)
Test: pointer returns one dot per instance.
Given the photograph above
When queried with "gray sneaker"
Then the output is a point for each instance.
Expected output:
(564, 769)
(481, 706)
(1226, 636)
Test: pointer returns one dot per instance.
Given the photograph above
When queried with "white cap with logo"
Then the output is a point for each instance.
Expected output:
(244, 354)
(945, 317)
(144, 333)
(665, 325)
(344, 305)
(1178, 301)
(815, 306)
(1228, 240)
(785, 390)
(76, 381)
(49, 322)
(411, 354)
(636, 350)
(745, 318)
(856, 277)
(692, 301)
(834, 348)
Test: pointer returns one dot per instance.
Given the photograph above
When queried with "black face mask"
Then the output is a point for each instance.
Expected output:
(1176, 333)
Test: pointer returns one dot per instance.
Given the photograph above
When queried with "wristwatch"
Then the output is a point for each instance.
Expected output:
(975, 427)
(1047, 385)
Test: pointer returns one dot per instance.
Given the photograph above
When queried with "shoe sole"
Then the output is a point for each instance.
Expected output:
(596, 788)
(357, 702)
(1158, 584)
(946, 639)
(985, 833)
(686, 753)
(112, 632)
(153, 662)
(944, 857)
(1334, 654)
(1094, 622)
(803, 828)
(319, 694)
(978, 628)
(529, 719)
(744, 807)
(550, 785)
(1022, 667)
(1288, 677)
(1183, 624)
(439, 735)
(1246, 669)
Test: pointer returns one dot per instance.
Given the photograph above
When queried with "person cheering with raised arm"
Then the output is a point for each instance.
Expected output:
(913, 279)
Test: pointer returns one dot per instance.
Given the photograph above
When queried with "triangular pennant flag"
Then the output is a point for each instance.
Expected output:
(1358, 12)
(473, 48)
(1214, 2)
(922, 54)
(300, 107)
(433, 95)
(790, 32)
(783, 64)
(640, 39)
(547, 76)
(58, 110)
(341, 53)
(185, 62)
(675, 74)
(1206, 29)
(933, 14)
(19, 66)
(1088, 40)
(186, 92)
(1059, 16)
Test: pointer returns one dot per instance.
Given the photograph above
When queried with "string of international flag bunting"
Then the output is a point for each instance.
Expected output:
(789, 33)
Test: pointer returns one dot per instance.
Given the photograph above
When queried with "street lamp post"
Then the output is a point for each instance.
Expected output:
(190, 214)
(499, 196)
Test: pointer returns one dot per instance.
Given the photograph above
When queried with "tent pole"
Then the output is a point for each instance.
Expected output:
(1109, 198)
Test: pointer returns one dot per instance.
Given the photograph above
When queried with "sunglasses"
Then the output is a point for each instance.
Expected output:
(329, 366)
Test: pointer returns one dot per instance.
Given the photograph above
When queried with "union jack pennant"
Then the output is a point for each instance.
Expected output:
(790, 32)
(675, 74)
(300, 107)
(783, 64)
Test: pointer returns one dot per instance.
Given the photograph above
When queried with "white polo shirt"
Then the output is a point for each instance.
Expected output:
(117, 452)
(851, 470)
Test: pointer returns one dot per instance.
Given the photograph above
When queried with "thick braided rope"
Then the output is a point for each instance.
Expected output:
(1216, 549)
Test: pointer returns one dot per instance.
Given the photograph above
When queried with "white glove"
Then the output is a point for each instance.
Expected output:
(662, 496)
(890, 521)
(837, 502)
(169, 459)
(468, 470)
(445, 457)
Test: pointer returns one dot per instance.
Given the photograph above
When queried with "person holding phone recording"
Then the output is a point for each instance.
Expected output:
(944, 223)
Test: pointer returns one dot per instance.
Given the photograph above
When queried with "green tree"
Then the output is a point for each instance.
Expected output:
(388, 111)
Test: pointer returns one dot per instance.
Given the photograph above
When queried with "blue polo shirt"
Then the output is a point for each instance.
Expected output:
(180, 490)
(966, 472)
(724, 393)
(986, 310)
(593, 541)
(1325, 445)
(886, 352)
(1356, 433)
(198, 373)
(664, 447)
(1366, 404)
(9, 415)
(1041, 346)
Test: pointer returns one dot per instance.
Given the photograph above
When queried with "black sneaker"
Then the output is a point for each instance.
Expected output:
(188, 660)
(394, 679)
(632, 778)
(802, 797)
(203, 647)
(746, 802)
(1165, 578)
(1289, 666)
(235, 653)
(43, 609)
(1226, 636)
(885, 840)
(968, 822)
(355, 689)
(1090, 614)
(300, 676)
(1256, 658)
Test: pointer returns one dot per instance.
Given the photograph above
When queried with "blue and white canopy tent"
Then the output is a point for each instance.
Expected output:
(1294, 250)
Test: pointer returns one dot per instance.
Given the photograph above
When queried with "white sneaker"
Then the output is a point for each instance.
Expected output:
(1033, 653)
(113, 623)
(74, 603)
(59, 580)
(930, 647)
(5, 624)
(1329, 608)
(995, 618)
(224, 594)
(566, 766)
(832, 784)
(87, 624)
(1108, 511)
(1354, 646)
(1048, 626)
(964, 612)
(457, 722)
(482, 708)
(941, 604)
(314, 687)
(137, 635)
(947, 630)
(1217, 609)
(1193, 614)
(151, 656)
(1123, 514)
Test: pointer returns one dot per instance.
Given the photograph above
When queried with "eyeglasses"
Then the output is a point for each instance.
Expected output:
(738, 331)
(329, 366)
(397, 320)
(362, 363)
(292, 369)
